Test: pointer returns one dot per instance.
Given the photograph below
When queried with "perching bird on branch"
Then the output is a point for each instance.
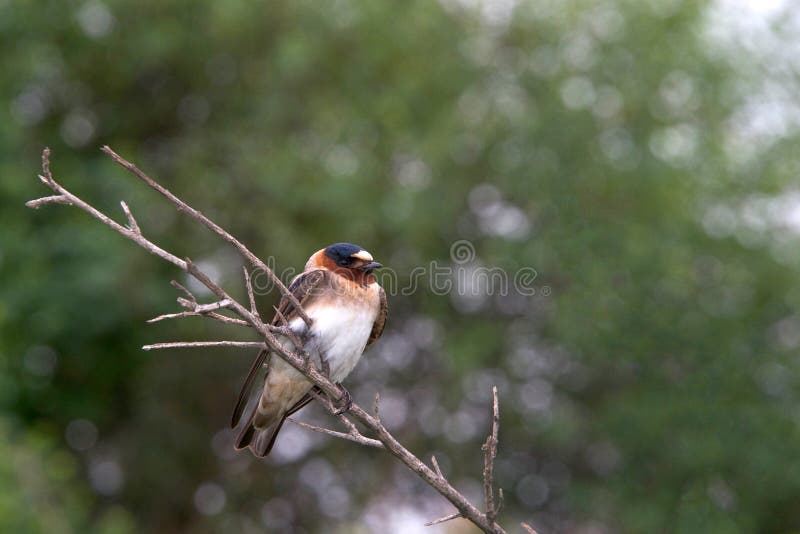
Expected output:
(347, 308)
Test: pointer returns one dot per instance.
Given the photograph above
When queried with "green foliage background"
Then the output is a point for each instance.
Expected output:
(650, 384)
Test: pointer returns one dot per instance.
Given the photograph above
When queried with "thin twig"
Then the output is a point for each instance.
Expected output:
(357, 438)
(489, 453)
(204, 310)
(55, 199)
(132, 224)
(250, 296)
(185, 291)
(436, 466)
(211, 225)
(528, 528)
(219, 317)
(443, 519)
(201, 344)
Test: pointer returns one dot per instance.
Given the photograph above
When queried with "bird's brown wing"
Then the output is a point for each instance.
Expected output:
(380, 322)
(302, 288)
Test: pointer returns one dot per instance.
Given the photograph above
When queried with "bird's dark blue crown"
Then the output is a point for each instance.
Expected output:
(341, 252)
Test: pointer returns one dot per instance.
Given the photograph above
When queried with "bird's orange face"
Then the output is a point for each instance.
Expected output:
(349, 261)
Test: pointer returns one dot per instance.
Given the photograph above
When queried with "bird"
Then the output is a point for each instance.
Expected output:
(347, 307)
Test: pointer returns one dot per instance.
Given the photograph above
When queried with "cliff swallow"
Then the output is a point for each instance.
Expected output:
(347, 307)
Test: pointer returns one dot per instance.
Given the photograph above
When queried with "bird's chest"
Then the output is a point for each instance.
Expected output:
(340, 331)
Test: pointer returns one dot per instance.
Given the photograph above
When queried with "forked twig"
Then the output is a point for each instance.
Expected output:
(132, 224)
(350, 436)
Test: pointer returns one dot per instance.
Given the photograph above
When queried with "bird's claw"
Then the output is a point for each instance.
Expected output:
(344, 402)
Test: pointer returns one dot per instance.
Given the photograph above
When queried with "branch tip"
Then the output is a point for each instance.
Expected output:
(436, 466)
(443, 519)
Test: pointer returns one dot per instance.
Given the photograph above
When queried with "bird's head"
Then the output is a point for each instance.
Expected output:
(346, 259)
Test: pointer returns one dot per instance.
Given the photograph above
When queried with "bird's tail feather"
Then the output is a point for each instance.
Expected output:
(260, 440)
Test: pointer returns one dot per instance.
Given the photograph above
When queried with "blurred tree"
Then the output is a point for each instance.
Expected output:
(649, 384)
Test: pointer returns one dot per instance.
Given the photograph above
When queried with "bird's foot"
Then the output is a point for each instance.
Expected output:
(344, 402)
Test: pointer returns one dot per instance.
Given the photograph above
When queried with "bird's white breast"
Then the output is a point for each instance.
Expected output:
(340, 332)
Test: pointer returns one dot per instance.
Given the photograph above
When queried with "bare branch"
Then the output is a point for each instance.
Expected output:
(211, 225)
(443, 519)
(55, 199)
(528, 528)
(296, 358)
(132, 224)
(357, 438)
(489, 453)
(203, 344)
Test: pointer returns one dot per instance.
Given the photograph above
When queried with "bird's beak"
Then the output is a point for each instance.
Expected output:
(371, 266)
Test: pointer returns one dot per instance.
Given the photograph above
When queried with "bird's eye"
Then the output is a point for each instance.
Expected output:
(344, 262)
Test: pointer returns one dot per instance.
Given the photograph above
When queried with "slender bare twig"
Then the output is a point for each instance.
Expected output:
(528, 528)
(55, 199)
(250, 296)
(204, 344)
(357, 438)
(132, 224)
(489, 453)
(185, 291)
(443, 519)
(436, 466)
(501, 501)
(294, 357)
(219, 317)
(200, 310)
